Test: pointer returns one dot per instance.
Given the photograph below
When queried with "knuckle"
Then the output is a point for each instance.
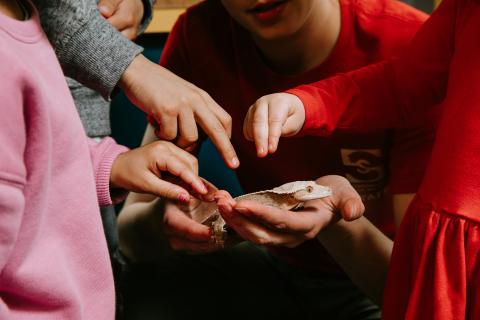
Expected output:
(169, 192)
(190, 137)
(193, 161)
(257, 118)
(227, 120)
(167, 134)
(202, 93)
(169, 111)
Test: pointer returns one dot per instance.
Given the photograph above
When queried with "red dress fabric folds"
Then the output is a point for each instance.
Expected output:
(435, 267)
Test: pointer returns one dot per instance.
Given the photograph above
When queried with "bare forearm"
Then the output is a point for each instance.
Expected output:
(135, 229)
(362, 251)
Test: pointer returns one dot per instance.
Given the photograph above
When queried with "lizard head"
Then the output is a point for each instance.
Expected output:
(311, 191)
(303, 191)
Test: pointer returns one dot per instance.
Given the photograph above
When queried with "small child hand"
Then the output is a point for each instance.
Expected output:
(271, 117)
(124, 15)
(140, 170)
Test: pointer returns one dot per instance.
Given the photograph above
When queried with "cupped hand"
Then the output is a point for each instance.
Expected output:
(125, 15)
(177, 106)
(181, 223)
(271, 117)
(267, 225)
(142, 170)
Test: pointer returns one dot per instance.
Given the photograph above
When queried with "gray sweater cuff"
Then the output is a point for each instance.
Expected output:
(98, 56)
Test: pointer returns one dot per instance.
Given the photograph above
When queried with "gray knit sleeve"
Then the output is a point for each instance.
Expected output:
(90, 50)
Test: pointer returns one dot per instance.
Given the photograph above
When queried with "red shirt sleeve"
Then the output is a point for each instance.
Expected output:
(397, 93)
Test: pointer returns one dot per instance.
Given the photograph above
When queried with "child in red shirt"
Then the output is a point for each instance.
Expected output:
(241, 50)
(435, 267)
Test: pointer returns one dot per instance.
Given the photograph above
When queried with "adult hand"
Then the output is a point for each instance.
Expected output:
(140, 170)
(267, 225)
(183, 233)
(125, 15)
(271, 117)
(176, 105)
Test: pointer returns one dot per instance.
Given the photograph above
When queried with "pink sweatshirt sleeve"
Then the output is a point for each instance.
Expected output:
(12, 148)
(397, 93)
(103, 154)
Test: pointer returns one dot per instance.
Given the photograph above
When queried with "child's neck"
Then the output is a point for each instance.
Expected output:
(12, 9)
(310, 46)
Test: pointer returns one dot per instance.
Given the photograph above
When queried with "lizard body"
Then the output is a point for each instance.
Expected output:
(288, 197)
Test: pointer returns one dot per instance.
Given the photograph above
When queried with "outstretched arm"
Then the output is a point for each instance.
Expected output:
(396, 93)
(94, 53)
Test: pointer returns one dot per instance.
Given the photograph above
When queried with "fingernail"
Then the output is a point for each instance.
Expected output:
(235, 162)
(260, 151)
(183, 197)
(203, 188)
(205, 185)
(270, 147)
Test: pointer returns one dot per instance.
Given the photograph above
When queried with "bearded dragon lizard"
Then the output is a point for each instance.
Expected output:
(289, 196)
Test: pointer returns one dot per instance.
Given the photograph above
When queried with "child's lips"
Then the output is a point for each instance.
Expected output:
(268, 11)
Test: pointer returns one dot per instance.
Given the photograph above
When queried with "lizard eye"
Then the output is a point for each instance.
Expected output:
(309, 189)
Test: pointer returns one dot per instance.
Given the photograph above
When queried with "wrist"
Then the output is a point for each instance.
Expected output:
(336, 227)
(134, 69)
(115, 177)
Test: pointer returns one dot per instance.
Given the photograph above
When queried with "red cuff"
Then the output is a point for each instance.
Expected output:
(315, 116)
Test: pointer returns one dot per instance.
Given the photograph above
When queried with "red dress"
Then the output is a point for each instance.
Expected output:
(435, 268)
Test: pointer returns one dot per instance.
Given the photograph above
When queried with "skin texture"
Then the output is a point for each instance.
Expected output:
(268, 225)
(176, 106)
(142, 170)
(287, 197)
(271, 117)
(150, 227)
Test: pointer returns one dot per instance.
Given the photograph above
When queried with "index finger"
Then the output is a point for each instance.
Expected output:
(260, 128)
(219, 136)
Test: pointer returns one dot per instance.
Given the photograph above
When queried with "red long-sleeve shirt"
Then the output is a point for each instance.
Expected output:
(206, 38)
(441, 69)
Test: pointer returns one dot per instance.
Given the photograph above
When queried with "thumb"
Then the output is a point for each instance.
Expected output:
(108, 7)
(351, 208)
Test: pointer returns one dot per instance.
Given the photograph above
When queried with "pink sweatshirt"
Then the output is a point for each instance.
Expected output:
(53, 256)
